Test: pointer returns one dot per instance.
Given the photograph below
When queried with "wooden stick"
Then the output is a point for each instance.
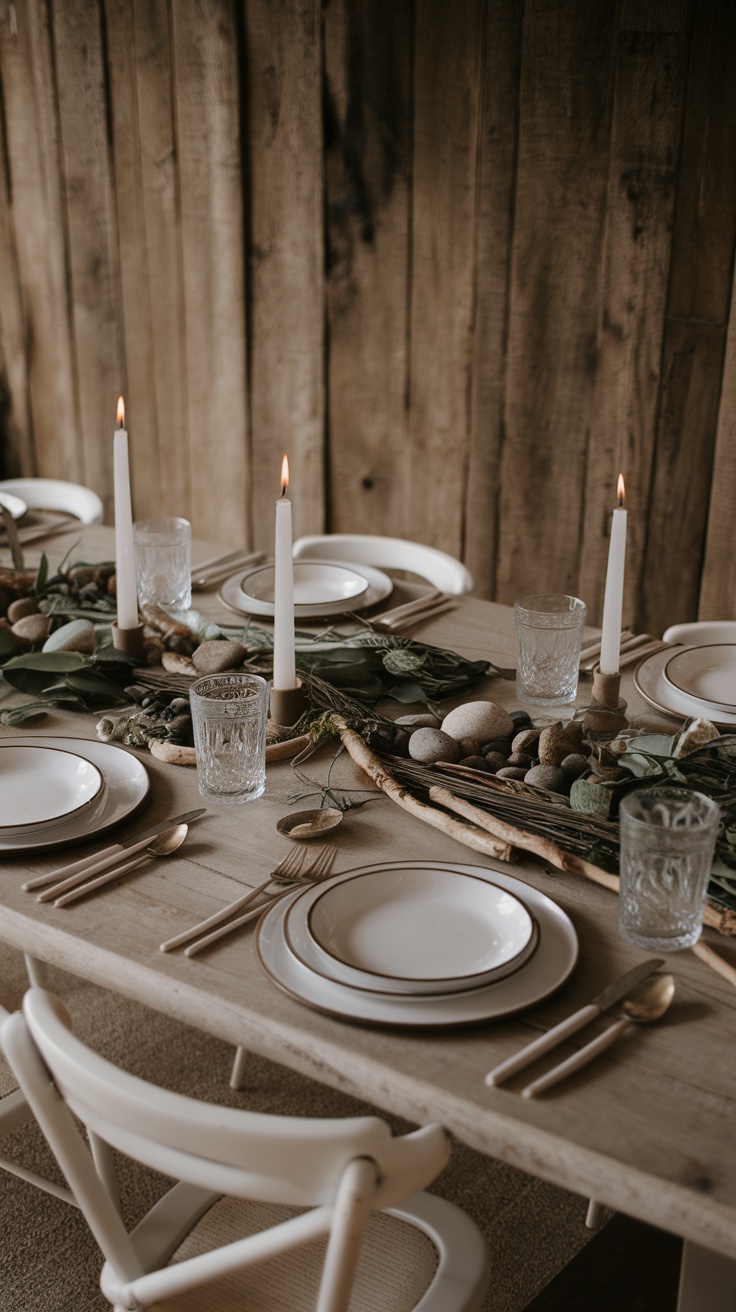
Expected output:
(715, 961)
(471, 836)
(535, 843)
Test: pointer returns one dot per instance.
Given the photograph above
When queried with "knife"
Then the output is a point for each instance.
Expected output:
(108, 856)
(608, 998)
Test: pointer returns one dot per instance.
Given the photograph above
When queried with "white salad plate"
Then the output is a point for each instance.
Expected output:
(315, 584)
(650, 681)
(43, 786)
(235, 592)
(126, 788)
(544, 972)
(413, 929)
(707, 673)
(16, 505)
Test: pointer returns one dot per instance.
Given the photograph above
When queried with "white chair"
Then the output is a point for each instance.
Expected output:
(55, 494)
(312, 1179)
(443, 571)
(701, 631)
(15, 1112)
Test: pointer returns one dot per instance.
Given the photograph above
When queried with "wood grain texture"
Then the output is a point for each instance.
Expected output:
(286, 267)
(649, 83)
(447, 53)
(718, 589)
(494, 225)
(368, 173)
(38, 224)
(567, 70)
(215, 447)
(463, 263)
(90, 221)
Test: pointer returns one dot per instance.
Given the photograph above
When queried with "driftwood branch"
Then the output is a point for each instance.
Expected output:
(469, 835)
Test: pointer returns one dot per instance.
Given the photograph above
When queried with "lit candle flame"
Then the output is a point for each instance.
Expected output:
(284, 475)
(621, 490)
(121, 412)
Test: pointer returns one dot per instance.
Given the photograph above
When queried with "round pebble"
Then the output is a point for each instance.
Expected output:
(502, 745)
(559, 741)
(475, 763)
(575, 765)
(521, 719)
(32, 629)
(470, 747)
(526, 741)
(217, 655)
(480, 720)
(423, 720)
(549, 777)
(22, 606)
(511, 772)
(495, 761)
(520, 758)
(430, 745)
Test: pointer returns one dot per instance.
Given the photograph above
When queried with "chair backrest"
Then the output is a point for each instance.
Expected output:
(271, 1158)
(701, 631)
(443, 571)
(56, 494)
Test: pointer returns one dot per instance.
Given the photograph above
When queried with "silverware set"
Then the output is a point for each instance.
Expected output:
(289, 874)
(413, 612)
(634, 647)
(216, 569)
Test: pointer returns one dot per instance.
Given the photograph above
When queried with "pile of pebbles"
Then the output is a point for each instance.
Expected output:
(485, 737)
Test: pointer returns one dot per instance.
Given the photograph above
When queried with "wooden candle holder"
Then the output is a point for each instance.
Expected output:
(287, 705)
(607, 711)
(130, 641)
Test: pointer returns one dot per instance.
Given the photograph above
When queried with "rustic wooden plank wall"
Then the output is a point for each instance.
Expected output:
(463, 262)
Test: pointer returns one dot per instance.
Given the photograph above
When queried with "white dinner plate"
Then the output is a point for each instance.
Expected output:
(543, 974)
(412, 929)
(649, 680)
(707, 673)
(16, 505)
(316, 583)
(379, 586)
(43, 786)
(126, 788)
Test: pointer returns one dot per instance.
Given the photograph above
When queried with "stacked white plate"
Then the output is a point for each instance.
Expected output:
(321, 589)
(692, 681)
(59, 791)
(418, 943)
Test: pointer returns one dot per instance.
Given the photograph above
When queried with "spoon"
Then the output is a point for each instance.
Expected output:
(165, 845)
(647, 1003)
(309, 824)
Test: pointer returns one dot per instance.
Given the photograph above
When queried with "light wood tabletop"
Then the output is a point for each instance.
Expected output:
(646, 1129)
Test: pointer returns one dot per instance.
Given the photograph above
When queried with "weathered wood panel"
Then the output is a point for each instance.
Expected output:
(718, 593)
(463, 263)
(207, 124)
(645, 139)
(447, 57)
(368, 161)
(567, 70)
(287, 399)
(38, 224)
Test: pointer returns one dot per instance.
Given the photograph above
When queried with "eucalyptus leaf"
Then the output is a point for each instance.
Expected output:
(407, 692)
(42, 575)
(25, 714)
(8, 645)
(91, 683)
(53, 662)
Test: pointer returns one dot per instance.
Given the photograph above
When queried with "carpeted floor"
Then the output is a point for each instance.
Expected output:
(48, 1260)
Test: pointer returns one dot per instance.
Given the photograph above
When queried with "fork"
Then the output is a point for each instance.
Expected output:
(289, 874)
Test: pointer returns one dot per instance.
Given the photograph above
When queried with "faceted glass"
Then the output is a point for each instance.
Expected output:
(229, 714)
(549, 631)
(163, 562)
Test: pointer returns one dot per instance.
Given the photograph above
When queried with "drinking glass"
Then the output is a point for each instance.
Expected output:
(549, 631)
(163, 562)
(667, 839)
(229, 714)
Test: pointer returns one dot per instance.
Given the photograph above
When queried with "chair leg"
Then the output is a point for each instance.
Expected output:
(351, 1212)
(237, 1075)
(594, 1215)
(38, 972)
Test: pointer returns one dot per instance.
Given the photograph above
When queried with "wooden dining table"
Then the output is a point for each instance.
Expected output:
(647, 1129)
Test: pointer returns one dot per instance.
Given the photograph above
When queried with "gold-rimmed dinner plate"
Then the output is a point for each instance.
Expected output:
(127, 785)
(544, 972)
(378, 587)
(650, 682)
(414, 929)
(707, 673)
(41, 787)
